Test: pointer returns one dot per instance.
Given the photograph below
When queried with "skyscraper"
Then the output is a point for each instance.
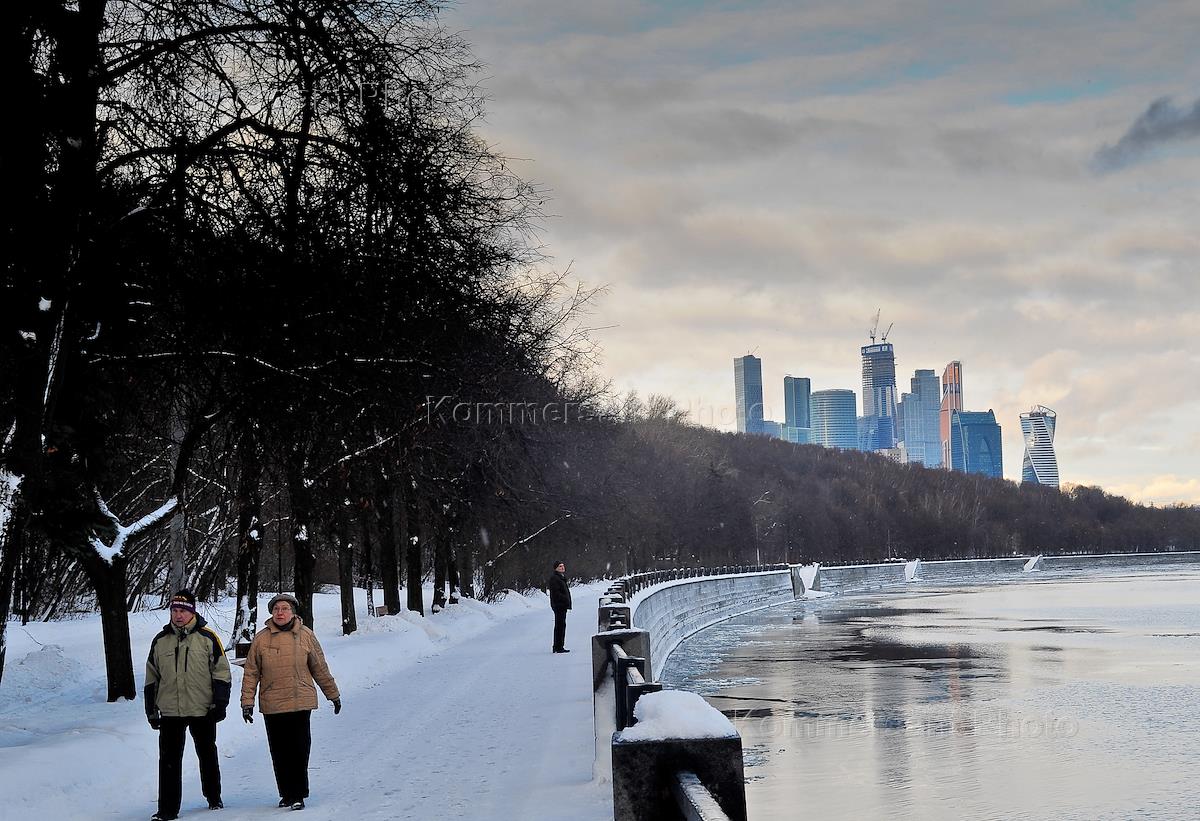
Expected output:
(834, 419)
(917, 416)
(748, 393)
(1040, 465)
(975, 443)
(952, 400)
(797, 392)
(879, 395)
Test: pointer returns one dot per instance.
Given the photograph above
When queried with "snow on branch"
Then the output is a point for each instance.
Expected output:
(528, 538)
(126, 532)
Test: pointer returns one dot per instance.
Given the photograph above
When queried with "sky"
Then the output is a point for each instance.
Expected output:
(1013, 185)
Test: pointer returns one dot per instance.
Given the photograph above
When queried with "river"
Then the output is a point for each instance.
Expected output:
(1064, 695)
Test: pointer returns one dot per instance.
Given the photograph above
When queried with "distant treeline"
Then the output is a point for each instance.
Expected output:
(649, 490)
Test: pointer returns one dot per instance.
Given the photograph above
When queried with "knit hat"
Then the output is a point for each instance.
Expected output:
(184, 600)
(556, 564)
(287, 597)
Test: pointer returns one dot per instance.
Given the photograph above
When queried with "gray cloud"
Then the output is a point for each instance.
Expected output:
(1159, 124)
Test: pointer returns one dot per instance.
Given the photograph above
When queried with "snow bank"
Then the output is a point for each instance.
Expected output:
(676, 714)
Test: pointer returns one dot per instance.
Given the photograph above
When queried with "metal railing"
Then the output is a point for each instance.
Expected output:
(632, 678)
(640, 581)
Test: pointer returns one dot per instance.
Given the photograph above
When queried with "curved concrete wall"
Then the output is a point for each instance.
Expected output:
(677, 609)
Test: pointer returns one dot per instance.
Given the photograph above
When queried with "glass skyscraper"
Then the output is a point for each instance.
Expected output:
(952, 400)
(917, 416)
(834, 419)
(975, 443)
(748, 393)
(1040, 465)
(797, 395)
(879, 395)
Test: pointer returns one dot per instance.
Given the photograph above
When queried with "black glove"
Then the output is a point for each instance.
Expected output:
(155, 722)
(248, 715)
(217, 713)
(337, 706)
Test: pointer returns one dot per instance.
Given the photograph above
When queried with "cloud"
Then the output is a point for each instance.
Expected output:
(1163, 490)
(1159, 124)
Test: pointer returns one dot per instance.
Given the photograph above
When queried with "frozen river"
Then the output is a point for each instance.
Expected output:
(1066, 695)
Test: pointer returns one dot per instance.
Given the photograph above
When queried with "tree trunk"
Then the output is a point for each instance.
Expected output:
(345, 539)
(12, 528)
(368, 537)
(388, 526)
(452, 577)
(305, 564)
(441, 547)
(177, 540)
(466, 578)
(249, 533)
(108, 580)
(412, 551)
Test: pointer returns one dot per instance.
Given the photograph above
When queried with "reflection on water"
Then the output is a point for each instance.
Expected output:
(1053, 698)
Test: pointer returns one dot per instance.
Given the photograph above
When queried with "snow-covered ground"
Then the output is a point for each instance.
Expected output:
(463, 714)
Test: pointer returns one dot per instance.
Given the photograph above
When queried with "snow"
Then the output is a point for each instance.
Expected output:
(466, 714)
(676, 714)
(124, 532)
(43, 304)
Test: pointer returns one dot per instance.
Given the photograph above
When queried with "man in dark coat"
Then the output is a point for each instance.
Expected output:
(187, 690)
(560, 603)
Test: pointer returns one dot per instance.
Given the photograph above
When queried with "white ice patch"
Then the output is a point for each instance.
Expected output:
(808, 575)
(676, 714)
(912, 571)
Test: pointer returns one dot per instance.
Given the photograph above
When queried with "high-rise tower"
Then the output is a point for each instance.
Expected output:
(834, 423)
(748, 393)
(918, 420)
(1040, 465)
(797, 392)
(952, 400)
(975, 443)
(879, 395)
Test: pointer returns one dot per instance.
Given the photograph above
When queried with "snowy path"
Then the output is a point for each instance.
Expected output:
(466, 715)
(498, 728)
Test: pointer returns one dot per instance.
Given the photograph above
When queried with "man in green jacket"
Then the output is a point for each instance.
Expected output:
(187, 688)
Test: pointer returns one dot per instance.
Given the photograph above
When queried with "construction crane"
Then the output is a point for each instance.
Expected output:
(888, 331)
(874, 326)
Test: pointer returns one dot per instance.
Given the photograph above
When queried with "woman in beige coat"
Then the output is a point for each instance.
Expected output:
(284, 661)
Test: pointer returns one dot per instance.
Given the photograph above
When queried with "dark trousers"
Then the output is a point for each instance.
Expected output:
(170, 760)
(290, 740)
(560, 628)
